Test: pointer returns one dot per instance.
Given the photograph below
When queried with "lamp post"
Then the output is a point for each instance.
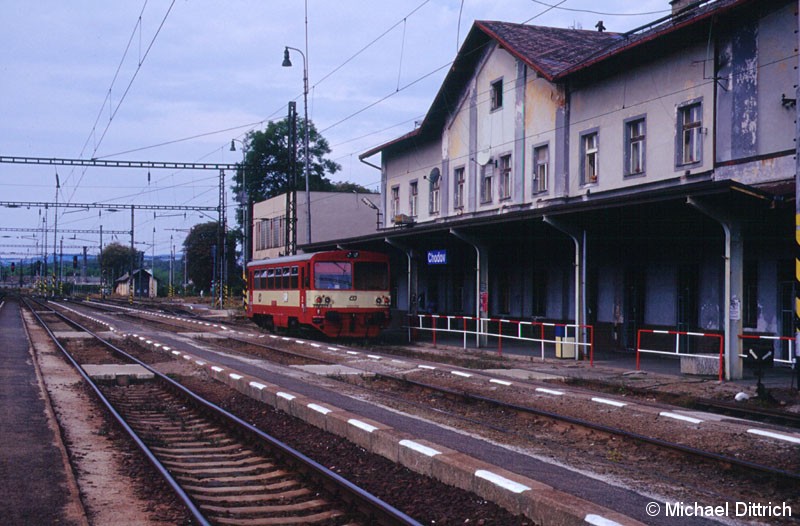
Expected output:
(245, 201)
(287, 64)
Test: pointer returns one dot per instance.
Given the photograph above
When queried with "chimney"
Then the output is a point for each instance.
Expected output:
(679, 6)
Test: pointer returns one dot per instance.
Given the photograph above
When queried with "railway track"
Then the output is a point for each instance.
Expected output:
(224, 470)
(472, 398)
(527, 424)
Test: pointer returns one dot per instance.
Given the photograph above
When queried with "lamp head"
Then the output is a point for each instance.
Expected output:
(286, 62)
(233, 146)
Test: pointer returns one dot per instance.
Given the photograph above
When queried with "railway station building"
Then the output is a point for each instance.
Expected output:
(627, 181)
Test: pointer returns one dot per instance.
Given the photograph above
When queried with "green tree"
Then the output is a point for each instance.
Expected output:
(267, 161)
(201, 252)
(115, 260)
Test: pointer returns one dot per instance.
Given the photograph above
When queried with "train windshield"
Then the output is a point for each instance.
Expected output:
(333, 275)
(371, 275)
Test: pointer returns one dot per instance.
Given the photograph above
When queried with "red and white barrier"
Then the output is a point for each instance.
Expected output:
(677, 349)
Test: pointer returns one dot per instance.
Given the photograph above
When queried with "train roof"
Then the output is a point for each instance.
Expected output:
(283, 259)
(305, 257)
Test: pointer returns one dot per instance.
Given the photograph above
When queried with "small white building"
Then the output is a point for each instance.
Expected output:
(334, 215)
(145, 285)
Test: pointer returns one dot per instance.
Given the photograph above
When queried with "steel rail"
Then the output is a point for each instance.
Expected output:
(369, 505)
(162, 470)
(707, 455)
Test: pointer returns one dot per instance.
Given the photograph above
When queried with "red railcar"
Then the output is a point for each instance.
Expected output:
(341, 293)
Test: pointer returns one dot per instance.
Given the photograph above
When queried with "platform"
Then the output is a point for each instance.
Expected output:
(36, 484)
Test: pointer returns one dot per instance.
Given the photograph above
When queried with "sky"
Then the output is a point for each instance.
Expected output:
(177, 80)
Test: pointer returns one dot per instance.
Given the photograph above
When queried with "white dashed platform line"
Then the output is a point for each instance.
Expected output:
(497, 480)
(419, 448)
(459, 373)
(598, 520)
(258, 386)
(778, 436)
(319, 409)
(501, 382)
(684, 418)
(362, 425)
(549, 391)
(286, 396)
(606, 401)
(429, 367)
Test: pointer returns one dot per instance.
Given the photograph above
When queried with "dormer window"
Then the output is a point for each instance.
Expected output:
(496, 93)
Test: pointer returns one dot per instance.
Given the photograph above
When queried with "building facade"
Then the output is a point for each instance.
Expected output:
(335, 215)
(626, 181)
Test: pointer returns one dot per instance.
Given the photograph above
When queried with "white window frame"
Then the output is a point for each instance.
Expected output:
(496, 94)
(541, 168)
(504, 178)
(413, 198)
(590, 156)
(487, 188)
(395, 201)
(689, 147)
(459, 181)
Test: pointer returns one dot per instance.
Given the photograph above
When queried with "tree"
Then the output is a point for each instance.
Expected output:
(267, 161)
(201, 253)
(115, 260)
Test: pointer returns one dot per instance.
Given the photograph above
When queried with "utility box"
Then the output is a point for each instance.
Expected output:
(565, 346)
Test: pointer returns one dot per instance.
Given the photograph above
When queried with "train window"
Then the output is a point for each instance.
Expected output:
(332, 275)
(262, 280)
(270, 279)
(293, 278)
(286, 277)
(371, 275)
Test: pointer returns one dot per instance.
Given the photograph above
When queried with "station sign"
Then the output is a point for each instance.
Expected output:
(437, 257)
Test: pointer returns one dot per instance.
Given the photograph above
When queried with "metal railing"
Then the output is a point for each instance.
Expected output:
(566, 335)
(677, 347)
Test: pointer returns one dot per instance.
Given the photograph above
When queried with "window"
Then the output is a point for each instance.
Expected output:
(541, 161)
(590, 168)
(634, 146)
(371, 275)
(505, 177)
(276, 231)
(332, 275)
(395, 200)
(412, 199)
(487, 173)
(458, 191)
(433, 202)
(496, 94)
(690, 127)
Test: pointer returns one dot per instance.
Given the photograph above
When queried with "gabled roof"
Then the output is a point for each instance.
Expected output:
(555, 54)
(548, 50)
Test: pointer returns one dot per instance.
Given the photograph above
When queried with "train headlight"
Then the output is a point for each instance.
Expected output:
(327, 300)
(378, 300)
(318, 300)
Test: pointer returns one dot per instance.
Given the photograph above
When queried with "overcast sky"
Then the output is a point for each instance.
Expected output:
(159, 80)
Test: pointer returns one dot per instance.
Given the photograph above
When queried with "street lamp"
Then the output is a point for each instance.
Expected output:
(374, 207)
(287, 64)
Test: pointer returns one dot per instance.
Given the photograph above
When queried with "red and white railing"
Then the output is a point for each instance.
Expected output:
(676, 350)
(528, 331)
